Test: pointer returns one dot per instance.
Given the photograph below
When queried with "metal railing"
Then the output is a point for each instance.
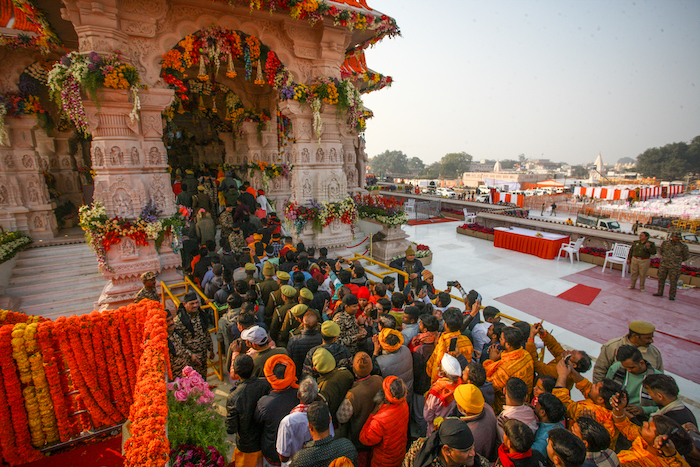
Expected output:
(166, 293)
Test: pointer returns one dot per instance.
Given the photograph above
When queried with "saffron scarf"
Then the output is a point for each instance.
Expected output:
(444, 390)
(639, 455)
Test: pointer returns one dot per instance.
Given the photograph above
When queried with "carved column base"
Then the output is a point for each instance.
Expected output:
(336, 237)
(394, 244)
(129, 261)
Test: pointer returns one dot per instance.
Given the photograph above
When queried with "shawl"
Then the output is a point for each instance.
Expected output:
(444, 389)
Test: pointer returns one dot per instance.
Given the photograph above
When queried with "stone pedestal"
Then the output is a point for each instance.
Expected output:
(394, 244)
(130, 163)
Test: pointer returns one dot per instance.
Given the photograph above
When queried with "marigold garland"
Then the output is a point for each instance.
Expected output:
(149, 444)
(99, 353)
(41, 385)
(127, 352)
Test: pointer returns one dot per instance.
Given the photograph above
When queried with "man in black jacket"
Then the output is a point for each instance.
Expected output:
(240, 409)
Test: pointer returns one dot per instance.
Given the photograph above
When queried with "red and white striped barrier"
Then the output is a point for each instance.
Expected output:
(508, 198)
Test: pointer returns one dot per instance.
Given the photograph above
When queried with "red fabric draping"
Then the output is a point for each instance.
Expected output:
(604, 193)
(541, 247)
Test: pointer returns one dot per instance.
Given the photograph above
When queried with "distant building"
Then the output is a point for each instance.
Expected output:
(506, 180)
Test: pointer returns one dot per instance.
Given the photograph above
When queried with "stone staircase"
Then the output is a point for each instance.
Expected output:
(57, 280)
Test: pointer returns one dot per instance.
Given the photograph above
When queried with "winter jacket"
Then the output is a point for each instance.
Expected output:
(240, 409)
(400, 364)
(387, 432)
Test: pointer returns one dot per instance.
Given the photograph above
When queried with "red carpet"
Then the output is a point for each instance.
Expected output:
(580, 294)
(432, 220)
(107, 453)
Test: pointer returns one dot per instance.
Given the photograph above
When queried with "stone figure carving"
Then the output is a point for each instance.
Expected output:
(333, 155)
(305, 155)
(153, 156)
(122, 204)
(3, 194)
(319, 155)
(128, 249)
(65, 162)
(38, 223)
(352, 174)
(333, 189)
(9, 161)
(116, 156)
(134, 156)
(32, 193)
(362, 160)
(306, 188)
(99, 158)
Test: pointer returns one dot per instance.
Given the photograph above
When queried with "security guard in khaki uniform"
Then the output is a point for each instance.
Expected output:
(639, 259)
(289, 299)
(275, 299)
(269, 284)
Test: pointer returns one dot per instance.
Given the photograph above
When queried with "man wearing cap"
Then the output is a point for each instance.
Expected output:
(393, 358)
(275, 299)
(289, 300)
(292, 321)
(440, 401)
(250, 271)
(359, 403)
(639, 259)
(480, 418)
(673, 252)
(351, 334)
(191, 324)
(333, 383)
(257, 338)
(412, 267)
(449, 446)
(300, 344)
(276, 244)
(329, 333)
(271, 409)
(149, 288)
(640, 335)
(268, 284)
(201, 200)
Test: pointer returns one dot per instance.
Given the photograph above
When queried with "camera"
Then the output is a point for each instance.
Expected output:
(452, 284)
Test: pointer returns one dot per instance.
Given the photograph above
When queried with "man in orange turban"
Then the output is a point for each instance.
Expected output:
(393, 358)
(280, 372)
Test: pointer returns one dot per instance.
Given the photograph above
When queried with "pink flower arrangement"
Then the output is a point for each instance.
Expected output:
(191, 384)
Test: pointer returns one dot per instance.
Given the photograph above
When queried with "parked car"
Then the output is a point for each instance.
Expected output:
(595, 221)
(482, 199)
(445, 193)
(428, 190)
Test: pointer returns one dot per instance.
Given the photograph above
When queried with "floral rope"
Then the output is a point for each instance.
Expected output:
(41, 385)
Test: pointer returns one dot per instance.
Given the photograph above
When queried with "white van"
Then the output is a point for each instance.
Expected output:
(445, 192)
(600, 222)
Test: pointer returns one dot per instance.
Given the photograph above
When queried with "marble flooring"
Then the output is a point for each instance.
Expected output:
(526, 287)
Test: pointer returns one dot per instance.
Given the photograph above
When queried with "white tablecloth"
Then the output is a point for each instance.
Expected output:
(531, 233)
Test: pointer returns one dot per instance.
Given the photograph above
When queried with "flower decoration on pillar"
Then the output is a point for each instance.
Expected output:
(76, 72)
(388, 211)
(320, 215)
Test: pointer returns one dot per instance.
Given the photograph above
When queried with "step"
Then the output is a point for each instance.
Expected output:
(21, 280)
(48, 299)
(63, 270)
(50, 286)
(78, 256)
(58, 309)
(44, 251)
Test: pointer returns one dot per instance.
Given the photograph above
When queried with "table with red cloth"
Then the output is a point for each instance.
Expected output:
(527, 241)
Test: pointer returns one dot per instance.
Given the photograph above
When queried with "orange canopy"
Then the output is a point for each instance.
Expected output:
(550, 183)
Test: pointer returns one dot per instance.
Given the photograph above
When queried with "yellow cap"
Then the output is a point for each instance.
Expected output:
(323, 361)
(469, 398)
(330, 329)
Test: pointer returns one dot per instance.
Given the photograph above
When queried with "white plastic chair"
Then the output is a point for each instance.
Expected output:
(469, 217)
(571, 249)
(410, 206)
(618, 255)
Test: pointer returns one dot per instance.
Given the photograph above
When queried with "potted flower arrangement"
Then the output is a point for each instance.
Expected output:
(476, 230)
(195, 429)
(424, 253)
(592, 255)
(385, 210)
(11, 243)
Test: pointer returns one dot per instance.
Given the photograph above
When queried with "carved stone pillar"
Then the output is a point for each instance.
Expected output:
(67, 177)
(130, 163)
(318, 170)
(229, 147)
(23, 191)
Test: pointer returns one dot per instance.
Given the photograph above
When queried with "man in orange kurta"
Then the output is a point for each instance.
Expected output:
(511, 361)
(597, 397)
(453, 330)
(579, 358)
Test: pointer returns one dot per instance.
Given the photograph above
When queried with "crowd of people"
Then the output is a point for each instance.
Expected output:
(331, 368)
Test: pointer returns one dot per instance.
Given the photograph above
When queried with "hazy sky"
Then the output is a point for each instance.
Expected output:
(561, 80)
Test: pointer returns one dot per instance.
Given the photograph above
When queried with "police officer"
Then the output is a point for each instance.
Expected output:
(673, 253)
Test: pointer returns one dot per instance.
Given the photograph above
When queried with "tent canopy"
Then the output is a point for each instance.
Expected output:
(550, 183)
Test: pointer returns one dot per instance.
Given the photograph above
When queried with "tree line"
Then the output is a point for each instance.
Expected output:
(451, 165)
(675, 161)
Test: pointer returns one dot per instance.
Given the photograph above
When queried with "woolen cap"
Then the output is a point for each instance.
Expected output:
(350, 299)
(410, 251)
(249, 267)
(268, 269)
(642, 327)
(283, 276)
(189, 296)
(289, 291)
(469, 398)
(306, 293)
(323, 361)
(330, 329)
(362, 364)
(299, 310)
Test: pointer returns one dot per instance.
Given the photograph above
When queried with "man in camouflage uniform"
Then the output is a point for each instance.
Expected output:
(289, 299)
(639, 259)
(236, 239)
(149, 288)
(211, 192)
(226, 221)
(191, 324)
(673, 252)
(180, 357)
